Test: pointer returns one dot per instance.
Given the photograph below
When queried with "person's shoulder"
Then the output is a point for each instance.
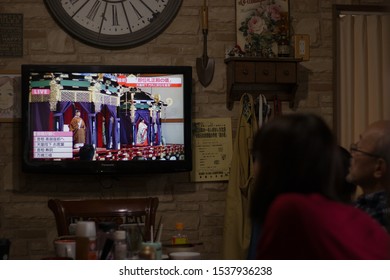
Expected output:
(308, 205)
(372, 200)
(311, 215)
(292, 204)
(297, 200)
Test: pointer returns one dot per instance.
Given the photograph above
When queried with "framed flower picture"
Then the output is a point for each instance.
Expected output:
(263, 27)
(10, 96)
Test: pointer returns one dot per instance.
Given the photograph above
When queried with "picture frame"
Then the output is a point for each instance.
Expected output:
(10, 96)
(261, 25)
(301, 46)
(11, 35)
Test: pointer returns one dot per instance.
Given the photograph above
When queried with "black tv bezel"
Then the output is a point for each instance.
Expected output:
(107, 167)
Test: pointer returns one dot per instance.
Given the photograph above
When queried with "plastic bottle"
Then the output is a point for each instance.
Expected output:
(86, 240)
(179, 237)
(105, 240)
(120, 245)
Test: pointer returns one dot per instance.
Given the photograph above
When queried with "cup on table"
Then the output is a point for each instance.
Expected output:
(65, 248)
(156, 246)
(133, 238)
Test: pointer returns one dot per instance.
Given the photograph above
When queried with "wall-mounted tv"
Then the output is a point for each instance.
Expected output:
(137, 119)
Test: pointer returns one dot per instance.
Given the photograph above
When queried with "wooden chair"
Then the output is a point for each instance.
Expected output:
(122, 211)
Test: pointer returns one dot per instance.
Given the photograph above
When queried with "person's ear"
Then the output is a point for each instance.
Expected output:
(381, 168)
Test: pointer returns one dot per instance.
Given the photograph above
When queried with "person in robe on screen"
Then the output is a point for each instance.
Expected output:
(77, 126)
(142, 133)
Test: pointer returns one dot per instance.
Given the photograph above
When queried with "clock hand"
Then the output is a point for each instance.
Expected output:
(143, 2)
(82, 6)
(136, 11)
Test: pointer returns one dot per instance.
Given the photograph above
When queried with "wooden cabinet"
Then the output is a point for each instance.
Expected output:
(275, 77)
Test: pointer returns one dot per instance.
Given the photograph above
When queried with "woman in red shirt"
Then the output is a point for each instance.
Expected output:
(298, 176)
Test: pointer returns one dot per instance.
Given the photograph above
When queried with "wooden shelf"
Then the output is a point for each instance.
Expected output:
(272, 77)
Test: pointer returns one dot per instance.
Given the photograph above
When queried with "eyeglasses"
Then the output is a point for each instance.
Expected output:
(354, 148)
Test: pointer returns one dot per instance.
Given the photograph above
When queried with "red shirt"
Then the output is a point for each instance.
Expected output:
(311, 226)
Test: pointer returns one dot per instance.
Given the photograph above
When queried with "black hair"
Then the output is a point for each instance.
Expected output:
(296, 153)
(87, 152)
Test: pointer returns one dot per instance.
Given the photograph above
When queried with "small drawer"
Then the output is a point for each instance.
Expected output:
(286, 72)
(265, 72)
(244, 72)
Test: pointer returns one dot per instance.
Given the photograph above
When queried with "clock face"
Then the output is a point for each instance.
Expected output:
(114, 23)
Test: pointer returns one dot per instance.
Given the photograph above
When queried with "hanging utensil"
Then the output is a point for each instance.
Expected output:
(205, 65)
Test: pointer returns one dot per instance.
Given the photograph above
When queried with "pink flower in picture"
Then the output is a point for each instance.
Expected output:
(257, 25)
(275, 12)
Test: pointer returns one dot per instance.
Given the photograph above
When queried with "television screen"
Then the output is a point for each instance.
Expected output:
(106, 119)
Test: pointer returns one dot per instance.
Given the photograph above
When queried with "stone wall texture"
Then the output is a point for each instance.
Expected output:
(24, 216)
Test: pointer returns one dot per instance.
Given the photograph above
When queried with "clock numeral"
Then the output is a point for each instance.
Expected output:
(95, 8)
(115, 21)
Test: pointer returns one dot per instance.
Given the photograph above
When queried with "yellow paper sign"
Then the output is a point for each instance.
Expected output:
(212, 142)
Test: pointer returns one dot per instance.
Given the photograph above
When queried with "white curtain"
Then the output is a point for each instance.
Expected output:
(364, 80)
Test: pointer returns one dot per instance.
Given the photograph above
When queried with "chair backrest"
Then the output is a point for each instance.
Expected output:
(122, 211)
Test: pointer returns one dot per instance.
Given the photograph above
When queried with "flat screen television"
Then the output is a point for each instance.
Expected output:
(136, 119)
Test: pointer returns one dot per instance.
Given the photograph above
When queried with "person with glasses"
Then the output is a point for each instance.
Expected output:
(348, 190)
(370, 170)
(298, 174)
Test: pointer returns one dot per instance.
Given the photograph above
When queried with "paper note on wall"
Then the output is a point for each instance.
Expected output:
(212, 149)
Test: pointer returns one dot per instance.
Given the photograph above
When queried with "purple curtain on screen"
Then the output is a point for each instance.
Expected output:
(112, 128)
(40, 112)
(126, 128)
(92, 128)
(59, 115)
(89, 109)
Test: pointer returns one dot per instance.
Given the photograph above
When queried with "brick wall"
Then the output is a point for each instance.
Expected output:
(24, 216)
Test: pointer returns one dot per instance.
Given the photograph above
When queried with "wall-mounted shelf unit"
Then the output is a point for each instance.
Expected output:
(272, 77)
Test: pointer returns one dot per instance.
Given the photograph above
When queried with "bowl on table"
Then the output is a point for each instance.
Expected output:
(184, 256)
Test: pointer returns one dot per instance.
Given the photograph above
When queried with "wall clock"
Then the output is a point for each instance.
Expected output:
(113, 23)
